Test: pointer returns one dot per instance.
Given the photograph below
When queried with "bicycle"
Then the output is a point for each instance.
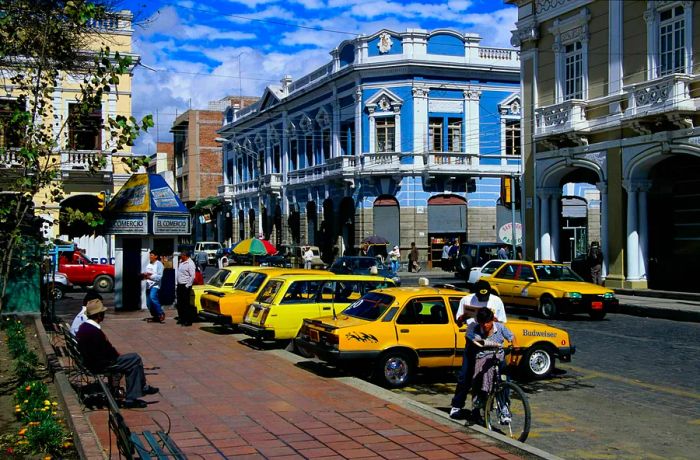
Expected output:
(507, 410)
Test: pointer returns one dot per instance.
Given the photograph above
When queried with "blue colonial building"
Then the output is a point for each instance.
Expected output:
(403, 135)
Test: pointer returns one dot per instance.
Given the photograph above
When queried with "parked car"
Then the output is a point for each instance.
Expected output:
(227, 306)
(361, 265)
(295, 255)
(223, 280)
(210, 247)
(279, 310)
(550, 288)
(374, 332)
(83, 272)
(484, 271)
(474, 255)
(57, 284)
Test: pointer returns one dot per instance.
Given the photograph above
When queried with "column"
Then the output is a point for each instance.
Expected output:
(554, 224)
(471, 120)
(643, 229)
(632, 233)
(335, 131)
(544, 225)
(603, 188)
(358, 121)
(398, 144)
(420, 125)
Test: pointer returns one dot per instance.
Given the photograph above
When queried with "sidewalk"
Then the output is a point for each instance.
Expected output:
(223, 399)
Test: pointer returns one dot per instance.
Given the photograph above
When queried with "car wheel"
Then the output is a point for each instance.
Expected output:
(103, 283)
(465, 264)
(57, 292)
(394, 369)
(548, 309)
(538, 363)
(597, 314)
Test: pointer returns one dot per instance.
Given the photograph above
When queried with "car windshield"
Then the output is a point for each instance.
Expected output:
(210, 246)
(370, 307)
(556, 273)
(251, 282)
(269, 292)
(491, 267)
(219, 278)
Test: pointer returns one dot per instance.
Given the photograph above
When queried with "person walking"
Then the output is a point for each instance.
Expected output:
(595, 261)
(395, 258)
(308, 257)
(445, 258)
(153, 276)
(481, 297)
(502, 252)
(413, 265)
(201, 259)
(101, 357)
(185, 278)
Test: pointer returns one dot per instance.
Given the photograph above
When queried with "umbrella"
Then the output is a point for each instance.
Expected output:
(375, 239)
(255, 247)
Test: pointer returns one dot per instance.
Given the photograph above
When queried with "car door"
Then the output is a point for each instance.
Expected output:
(302, 299)
(423, 324)
(522, 291)
(504, 280)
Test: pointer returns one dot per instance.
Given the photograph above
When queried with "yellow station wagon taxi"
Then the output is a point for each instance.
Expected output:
(227, 306)
(224, 280)
(551, 288)
(282, 305)
(399, 330)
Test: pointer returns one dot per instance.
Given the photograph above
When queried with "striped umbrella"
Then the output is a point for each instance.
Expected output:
(255, 247)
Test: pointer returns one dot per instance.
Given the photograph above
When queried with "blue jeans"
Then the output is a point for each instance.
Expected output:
(464, 378)
(153, 302)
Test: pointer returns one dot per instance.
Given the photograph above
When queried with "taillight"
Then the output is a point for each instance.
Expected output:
(332, 339)
(265, 312)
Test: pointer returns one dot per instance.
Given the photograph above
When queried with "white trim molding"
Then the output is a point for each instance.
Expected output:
(652, 19)
(566, 32)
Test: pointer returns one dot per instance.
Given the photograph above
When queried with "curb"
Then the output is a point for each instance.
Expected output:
(675, 295)
(425, 410)
(657, 312)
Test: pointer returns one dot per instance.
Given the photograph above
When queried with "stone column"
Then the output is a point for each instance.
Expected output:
(358, 121)
(471, 120)
(545, 241)
(420, 125)
(643, 228)
(632, 272)
(603, 188)
(554, 223)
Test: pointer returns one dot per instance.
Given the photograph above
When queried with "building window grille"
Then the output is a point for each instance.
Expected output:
(386, 131)
(513, 137)
(573, 71)
(435, 131)
(671, 41)
(454, 135)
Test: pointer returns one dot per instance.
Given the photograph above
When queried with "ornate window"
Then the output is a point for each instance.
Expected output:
(669, 37)
(84, 130)
(386, 132)
(384, 109)
(435, 134)
(454, 135)
(513, 137)
(9, 132)
(571, 56)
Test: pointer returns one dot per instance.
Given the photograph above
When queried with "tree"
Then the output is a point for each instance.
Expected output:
(42, 41)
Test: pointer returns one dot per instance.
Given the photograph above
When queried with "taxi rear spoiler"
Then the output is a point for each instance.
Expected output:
(317, 323)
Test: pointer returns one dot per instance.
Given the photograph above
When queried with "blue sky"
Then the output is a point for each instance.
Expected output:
(191, 49)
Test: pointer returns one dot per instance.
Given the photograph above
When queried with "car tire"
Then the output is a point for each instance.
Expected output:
(465, 265)
(394, 369)
(538, 363)
(548, 309)
(103, 283)
(597, 314)
(57, 292)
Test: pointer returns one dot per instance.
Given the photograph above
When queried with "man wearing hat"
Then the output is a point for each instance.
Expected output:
(481, 297)
(101, 357)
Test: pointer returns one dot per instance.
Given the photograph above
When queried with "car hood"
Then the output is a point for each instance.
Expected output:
(574, 286)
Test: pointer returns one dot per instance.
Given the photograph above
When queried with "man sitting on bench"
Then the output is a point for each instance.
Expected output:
(101, 357)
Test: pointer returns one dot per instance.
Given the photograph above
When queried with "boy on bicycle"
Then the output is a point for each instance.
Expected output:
(486, 334)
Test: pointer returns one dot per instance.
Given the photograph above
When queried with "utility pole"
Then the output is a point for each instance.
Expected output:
(512, 210)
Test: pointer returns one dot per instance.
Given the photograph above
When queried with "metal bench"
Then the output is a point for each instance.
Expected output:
(144, 445)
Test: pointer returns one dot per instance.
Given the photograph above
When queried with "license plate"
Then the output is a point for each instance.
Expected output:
(313, 335)
(597, 305)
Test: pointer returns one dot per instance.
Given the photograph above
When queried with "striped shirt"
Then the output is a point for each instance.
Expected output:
(499, 333)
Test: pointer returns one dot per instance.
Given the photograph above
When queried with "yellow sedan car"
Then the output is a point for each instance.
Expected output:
(551, 288)
(224, 280)
(400, 330)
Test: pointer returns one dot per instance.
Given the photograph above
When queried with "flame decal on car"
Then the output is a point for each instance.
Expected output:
(361, 337)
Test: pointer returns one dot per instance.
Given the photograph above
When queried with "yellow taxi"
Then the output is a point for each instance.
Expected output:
(551, 288)
(284, 302)
(400, 330)
(227, 306)
(223, 280)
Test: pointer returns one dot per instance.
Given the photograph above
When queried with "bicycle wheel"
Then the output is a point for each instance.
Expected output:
(512, 397)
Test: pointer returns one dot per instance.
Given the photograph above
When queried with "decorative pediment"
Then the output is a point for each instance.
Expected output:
(384, 101)
(306, 124)
(323, 118)
(510, 105)
(268, 99)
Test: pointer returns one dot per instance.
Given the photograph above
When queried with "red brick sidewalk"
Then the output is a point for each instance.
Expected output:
(226, 400)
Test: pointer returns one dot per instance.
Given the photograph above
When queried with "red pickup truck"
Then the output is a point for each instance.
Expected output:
(81, 271)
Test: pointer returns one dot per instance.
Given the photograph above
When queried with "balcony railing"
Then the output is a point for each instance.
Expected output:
(381, 160)
(341, 165)
(442, 159)
(272, 182)
(666, 94)
(563, 117)
(226, 190)
(307, 175)
(10, 158)
(249, 186)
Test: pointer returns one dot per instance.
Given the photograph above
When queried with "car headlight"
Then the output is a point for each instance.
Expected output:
(572, 295)
(609, 295)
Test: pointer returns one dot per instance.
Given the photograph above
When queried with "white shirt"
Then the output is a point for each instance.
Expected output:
(185, 272)
(79, 319)
(309, 256)
(156, 271)
(495, 304)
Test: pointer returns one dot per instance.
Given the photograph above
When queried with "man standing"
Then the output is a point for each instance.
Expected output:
(502, 253)
(595, 261)
(308, 257)
(153, 275)
(481, 297)
(101, 357)
(185, 278)
(445, 258)
(413, 265)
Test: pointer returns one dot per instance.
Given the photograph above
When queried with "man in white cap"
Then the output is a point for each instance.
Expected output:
(101, 357)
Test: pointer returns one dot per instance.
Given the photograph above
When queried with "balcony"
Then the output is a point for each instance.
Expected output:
(568, 116)
(662, 96)
(226, 191)
(307, 175)
(248, 187)
(86, 165)
(381, 163)
(10, 159)
(342, 166)
(271, 183)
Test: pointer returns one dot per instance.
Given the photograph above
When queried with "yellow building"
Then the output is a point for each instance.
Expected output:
(610, 94)
(79, 146)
